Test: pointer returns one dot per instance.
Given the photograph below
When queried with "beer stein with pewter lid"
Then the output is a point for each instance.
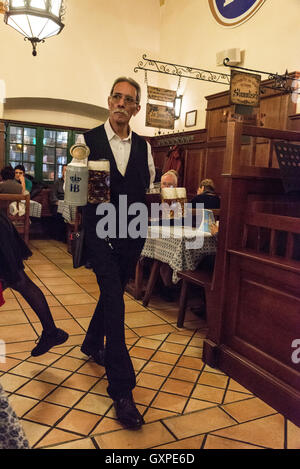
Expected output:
(76, 179)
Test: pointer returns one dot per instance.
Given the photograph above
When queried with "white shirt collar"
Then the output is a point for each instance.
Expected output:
(111, 133)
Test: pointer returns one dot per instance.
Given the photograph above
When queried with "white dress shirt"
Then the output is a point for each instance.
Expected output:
(121, 150)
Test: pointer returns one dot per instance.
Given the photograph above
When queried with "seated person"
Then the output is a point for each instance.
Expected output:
(58, 226)
(169, 179)
(20, 177)
(9, 185)
(206, 195)
(57, 190)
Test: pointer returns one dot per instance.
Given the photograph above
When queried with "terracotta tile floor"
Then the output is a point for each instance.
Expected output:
(61, 397)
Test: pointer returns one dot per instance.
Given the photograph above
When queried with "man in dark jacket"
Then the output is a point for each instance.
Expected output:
(113, 259)
(57, 191)
(206, 195)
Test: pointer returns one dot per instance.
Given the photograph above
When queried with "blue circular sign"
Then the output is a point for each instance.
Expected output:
(234, 12)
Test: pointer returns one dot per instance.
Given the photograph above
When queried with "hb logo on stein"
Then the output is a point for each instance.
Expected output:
(74, 186)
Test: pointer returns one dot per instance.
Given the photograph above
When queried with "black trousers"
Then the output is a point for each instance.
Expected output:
(113, 266)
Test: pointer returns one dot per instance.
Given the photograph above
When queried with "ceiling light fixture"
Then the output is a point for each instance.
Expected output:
(37, 20)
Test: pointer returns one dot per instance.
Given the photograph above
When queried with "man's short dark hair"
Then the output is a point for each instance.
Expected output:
(8, 173)
(132, 82)
(20, 167)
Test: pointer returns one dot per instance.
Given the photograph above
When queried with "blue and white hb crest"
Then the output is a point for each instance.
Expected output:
(234, 12)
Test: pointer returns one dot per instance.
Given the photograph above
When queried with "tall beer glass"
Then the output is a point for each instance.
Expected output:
(99, 182)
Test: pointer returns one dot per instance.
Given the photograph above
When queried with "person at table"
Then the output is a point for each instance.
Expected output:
(22, 179)
(169, 179)
(57, 226)
(113, 259)
(57, 190)
(9, 185)
(206, 195)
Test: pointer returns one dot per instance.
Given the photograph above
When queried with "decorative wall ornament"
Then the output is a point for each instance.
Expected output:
(233, 13)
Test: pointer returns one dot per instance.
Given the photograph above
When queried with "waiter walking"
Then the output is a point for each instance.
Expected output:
(132, 172)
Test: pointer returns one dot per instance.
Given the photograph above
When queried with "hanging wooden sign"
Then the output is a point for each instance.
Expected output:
(161, 94)
(161, 117)
(245, 88)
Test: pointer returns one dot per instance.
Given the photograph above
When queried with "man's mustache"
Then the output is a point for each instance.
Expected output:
(121, 111)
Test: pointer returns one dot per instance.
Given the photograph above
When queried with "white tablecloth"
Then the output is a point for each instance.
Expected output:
(68, 211)
(180, 247)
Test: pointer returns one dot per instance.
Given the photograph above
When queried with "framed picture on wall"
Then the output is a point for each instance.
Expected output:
(190, 118)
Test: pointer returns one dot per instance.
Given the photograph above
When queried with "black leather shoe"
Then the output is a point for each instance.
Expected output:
(47, 341)
(127, 414)
(96, 355)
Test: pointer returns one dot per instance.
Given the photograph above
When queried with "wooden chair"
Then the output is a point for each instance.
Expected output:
(203, 278)
(22, 222)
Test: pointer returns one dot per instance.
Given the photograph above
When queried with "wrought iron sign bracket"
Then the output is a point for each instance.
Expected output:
(184, 71)
(280, 82)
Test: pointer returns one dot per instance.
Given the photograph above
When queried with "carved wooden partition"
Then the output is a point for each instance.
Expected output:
(255, 316)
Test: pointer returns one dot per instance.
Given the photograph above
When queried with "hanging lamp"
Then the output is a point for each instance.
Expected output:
(37, 20)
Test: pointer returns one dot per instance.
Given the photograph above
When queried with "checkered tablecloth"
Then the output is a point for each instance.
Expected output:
(12, 435)
(68, 211)
(180, 247)
(35, 208)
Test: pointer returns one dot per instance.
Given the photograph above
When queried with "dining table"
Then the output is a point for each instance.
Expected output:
(180, 247)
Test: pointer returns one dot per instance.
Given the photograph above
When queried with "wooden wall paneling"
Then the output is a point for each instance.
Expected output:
(273, 111)
(159, 156)
(213, 165)
(2, 145)
(193, 169)
(255, 309)
(277, 313)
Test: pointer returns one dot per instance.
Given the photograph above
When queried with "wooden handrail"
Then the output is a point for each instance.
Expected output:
(234, 162)
(274, 222)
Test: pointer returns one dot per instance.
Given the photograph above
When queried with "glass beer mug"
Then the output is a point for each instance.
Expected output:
(168, 195)
(99, 182)
(181, 198)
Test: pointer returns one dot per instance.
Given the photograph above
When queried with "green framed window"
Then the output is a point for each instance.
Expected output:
(22, 148)
(42, 150)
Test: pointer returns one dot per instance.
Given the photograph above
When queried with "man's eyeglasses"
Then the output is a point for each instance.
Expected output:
(127, 99)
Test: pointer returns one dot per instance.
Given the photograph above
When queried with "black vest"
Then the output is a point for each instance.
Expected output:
(137, 177)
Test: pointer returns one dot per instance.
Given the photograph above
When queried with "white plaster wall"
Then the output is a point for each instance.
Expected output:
(191, 36)
(101, 41)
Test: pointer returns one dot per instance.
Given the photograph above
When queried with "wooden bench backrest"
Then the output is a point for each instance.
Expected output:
(21, 223)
